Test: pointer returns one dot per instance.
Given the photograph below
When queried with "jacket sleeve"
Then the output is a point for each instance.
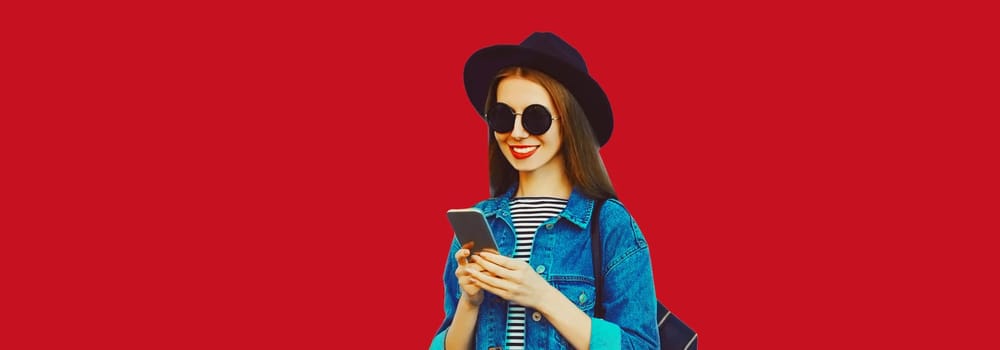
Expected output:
(451, 295)
(629, 295)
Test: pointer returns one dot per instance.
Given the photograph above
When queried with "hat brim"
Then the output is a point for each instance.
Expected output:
(483, 65)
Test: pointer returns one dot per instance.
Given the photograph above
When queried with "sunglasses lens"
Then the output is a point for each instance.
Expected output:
(536, 119)
(501, 118)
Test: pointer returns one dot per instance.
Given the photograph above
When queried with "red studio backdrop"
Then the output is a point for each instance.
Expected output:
(276, 175)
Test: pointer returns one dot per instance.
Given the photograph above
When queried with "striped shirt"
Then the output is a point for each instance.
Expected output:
(527, 213)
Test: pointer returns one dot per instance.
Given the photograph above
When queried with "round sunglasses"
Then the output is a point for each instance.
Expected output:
(535, 118)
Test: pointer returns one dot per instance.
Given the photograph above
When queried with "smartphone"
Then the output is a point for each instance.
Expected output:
(470, 226)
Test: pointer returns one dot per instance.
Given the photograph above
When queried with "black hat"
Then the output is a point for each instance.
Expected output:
(551, 55)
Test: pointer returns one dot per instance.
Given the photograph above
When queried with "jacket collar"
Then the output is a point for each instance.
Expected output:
(578, 208)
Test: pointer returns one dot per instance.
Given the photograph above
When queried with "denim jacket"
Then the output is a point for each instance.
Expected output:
(561, 255)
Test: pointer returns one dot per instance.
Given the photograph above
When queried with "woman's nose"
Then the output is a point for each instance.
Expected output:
(519, 132)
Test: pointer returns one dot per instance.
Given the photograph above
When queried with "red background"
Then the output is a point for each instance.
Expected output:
(275, 175)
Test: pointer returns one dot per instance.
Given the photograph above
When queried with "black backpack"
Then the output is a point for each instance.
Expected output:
(674, 333)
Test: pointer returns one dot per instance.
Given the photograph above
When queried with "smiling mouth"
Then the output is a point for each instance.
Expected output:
(521, 152)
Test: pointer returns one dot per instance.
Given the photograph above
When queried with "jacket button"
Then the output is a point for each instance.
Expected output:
(548, 226)
(583, 298)
(536, 316)
(540, 268)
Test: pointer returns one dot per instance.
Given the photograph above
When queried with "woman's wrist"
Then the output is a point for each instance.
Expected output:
(472, 301)
(550, 298)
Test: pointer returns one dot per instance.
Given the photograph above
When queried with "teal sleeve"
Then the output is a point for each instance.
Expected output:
(438, 342)
(604, 334)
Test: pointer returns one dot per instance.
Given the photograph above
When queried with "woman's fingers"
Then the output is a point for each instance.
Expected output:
(501, 260)
(511, 279)
(491, 267)
(465, 280)
(492, 283)
(490, 250)
(462, 256)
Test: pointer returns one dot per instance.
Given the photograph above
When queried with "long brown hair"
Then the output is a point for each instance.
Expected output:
(584, 166)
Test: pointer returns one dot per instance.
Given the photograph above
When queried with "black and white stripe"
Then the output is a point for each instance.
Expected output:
(527, 213)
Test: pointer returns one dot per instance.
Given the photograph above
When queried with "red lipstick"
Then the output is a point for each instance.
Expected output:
(522, 155)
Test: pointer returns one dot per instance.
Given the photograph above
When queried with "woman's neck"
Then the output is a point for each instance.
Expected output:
(543, 184)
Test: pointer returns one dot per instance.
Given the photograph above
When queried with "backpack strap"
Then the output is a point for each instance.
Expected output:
(595, 254)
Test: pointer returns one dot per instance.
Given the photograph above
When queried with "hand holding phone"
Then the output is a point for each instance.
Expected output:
(472, 230)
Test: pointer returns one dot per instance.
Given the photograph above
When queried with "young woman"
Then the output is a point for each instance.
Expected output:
(548, 119)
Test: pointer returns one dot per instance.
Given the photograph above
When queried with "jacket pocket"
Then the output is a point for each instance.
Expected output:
(578, 289)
